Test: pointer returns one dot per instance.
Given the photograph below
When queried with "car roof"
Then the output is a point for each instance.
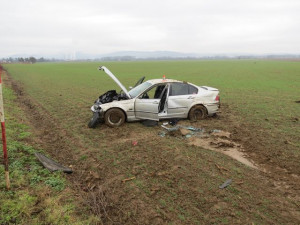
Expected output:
(158, 81)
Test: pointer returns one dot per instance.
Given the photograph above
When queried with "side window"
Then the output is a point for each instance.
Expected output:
(154, 93)
(179, 89)
(193, 90)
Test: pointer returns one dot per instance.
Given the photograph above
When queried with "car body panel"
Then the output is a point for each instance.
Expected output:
(146, 108)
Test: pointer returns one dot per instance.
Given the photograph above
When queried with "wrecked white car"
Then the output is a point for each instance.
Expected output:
(154, 100)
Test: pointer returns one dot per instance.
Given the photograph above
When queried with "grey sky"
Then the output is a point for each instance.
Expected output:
(190, 26)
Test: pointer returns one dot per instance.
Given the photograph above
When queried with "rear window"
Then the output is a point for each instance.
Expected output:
(182, 89)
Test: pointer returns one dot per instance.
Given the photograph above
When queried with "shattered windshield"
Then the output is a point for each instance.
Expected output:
(139, 89)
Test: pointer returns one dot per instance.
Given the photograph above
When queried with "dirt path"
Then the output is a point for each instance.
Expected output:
(162, 180)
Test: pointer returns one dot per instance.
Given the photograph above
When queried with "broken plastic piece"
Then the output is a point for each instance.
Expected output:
(51, 165)
(173, 122)
(162, 134)
(215, 131)
(225, 184)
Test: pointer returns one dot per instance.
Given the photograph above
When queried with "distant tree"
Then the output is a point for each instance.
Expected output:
(21, 60)
(32, 60)
(41, 59)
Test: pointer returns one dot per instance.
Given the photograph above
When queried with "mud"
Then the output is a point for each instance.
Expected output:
(225, 147)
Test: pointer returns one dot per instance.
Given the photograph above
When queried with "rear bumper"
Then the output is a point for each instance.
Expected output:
(212, 108)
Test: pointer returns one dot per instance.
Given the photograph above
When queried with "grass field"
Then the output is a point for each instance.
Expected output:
(174, 182)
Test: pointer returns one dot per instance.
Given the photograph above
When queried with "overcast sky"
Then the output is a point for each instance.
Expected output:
(188, 26)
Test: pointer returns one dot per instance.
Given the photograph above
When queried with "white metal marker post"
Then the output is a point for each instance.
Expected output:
(5, 161)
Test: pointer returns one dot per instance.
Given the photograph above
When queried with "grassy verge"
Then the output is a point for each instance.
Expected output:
(37, 196)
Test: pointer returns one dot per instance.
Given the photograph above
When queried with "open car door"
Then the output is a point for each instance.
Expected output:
(148, 104)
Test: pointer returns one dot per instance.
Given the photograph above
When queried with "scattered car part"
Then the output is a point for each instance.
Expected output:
(225, 184)
(173, 121)
(94, 120)
(51, 164)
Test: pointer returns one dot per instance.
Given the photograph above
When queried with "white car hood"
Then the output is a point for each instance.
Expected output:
(115, 79)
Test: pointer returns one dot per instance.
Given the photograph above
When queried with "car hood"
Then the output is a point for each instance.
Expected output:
(115, 79)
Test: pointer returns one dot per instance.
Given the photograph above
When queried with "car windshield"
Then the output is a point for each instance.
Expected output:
(139, 89)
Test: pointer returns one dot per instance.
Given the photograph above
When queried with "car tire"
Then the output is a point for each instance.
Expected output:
(114, 117)
(94, 120)
(197, 112)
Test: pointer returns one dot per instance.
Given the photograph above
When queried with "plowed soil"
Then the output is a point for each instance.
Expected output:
(165, 180)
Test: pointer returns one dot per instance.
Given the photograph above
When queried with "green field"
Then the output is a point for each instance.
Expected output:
(258, 107)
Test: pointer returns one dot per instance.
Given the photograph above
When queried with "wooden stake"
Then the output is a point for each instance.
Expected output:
(5, 156)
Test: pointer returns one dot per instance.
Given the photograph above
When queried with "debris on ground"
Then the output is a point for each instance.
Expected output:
(173, 122)
(128, 179)
(149, 123)
(225, 184)
(215, 140)
(134, 143)
(184, 131)
(220, 133)
(162, 133)
(51, 164)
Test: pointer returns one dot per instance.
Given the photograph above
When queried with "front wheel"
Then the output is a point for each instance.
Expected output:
(197, 112)
(94, 120)
(114, 117)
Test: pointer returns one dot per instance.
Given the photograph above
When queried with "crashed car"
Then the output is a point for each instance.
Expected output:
(155, 99)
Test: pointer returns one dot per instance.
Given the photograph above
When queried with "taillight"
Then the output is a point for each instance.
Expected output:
(217, 98)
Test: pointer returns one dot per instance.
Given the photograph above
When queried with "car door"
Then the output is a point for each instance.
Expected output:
(146, 105)
(180, 98)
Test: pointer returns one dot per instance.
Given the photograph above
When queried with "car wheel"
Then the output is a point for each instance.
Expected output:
(94, 120)
(197, 112)
(114, 117)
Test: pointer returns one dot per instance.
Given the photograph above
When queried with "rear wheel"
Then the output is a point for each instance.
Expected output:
(197, 112)
(94, 120)
(114, 117)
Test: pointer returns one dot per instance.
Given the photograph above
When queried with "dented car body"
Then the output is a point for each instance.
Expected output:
(154, 100)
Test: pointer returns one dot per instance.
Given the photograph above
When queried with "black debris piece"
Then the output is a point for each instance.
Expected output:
(173, 122)
(150, 123)
(225, 184)
(51, 165)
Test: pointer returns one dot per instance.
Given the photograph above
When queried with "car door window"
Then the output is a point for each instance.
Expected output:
(179, 89)
(193, 90)
(154, 93)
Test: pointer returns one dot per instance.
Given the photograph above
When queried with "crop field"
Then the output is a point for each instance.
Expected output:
(168, 180)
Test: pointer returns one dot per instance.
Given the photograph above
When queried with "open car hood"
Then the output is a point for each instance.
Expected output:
(115, 79)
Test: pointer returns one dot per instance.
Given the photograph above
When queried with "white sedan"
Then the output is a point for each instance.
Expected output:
(154, 100)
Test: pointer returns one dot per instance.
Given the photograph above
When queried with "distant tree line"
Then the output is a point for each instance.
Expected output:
(30, 60)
